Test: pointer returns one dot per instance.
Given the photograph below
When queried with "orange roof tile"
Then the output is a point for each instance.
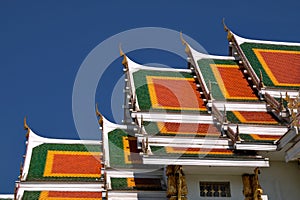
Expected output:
(72, 164)
(183, 150)
(232, 82)
(174, 93)
(188, 128)
(70, 195)
(282, 66)
(255, 117)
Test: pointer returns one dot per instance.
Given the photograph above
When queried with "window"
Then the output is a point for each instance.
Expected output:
(214, 189)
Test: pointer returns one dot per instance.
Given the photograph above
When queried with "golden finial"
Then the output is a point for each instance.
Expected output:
(287, 97)
(99, 115)
(124, 62)
(26, 127)
(187, 48)
(182, 39)
(97, 111)
(229, 33)
(224, 25)
(261, 81)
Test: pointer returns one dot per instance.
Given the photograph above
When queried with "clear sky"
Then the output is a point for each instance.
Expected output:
(43, 44)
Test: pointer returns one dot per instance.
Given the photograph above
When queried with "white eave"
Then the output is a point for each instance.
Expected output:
(279, 92)
(205, 142)
(173, 117)
(241, 106)
(241, 40)
(7, 196)
(260, 129)
(136, 195)
(207, 162)
(256, 147)
(52, 186)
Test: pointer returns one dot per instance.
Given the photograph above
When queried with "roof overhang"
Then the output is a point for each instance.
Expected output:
(154, 160)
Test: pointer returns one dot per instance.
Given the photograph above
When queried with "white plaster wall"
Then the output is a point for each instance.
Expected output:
(236, 186)
(281, 181)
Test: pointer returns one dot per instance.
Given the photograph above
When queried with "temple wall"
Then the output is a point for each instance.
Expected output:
(279, 182)
(236, 185)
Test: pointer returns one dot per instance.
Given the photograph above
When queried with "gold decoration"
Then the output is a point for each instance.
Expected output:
(99, 115)
(251, 187)
(124, 62)
(256, 186)
(247, 189)
(229, 33)
(177, 187)
(26, 127)
(187, 48)
(287, 97)
(261, 81)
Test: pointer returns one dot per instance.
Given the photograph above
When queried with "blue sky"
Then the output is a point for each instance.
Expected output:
(43, 44)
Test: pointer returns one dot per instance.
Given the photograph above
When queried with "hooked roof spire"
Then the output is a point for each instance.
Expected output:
(124, 62)
(26, 127)
(99, 115)
(229, 33)
(187, 48)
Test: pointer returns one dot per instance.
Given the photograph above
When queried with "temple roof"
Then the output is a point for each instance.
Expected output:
(133, 183)
(61, 160)
(221, 77)
(251, 117)
(276, 64)
(60, 194)
(164, 89)
(202, 155)
(181, 129)
(121, 147)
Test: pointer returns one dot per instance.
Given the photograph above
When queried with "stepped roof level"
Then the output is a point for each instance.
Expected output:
(60, 168)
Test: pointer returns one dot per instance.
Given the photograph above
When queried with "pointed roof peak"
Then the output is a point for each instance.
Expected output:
(229, 33)
(26, 127)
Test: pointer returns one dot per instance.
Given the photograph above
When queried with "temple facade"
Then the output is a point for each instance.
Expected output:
(225, 127)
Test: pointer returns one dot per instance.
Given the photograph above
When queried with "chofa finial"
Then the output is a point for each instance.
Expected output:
(229, 33)
(187, 48)
(124, 62)
(26, 127)
(99, 115)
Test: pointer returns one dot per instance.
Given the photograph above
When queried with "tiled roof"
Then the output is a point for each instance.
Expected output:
(181, 129)
(251, 117)
(123, 151)
(167, 90)
(202, 155)
(279, 64)
(259, 138)
(55, 195)
(226, 80)
(131, 183)
(191, 152)
(65, 162)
